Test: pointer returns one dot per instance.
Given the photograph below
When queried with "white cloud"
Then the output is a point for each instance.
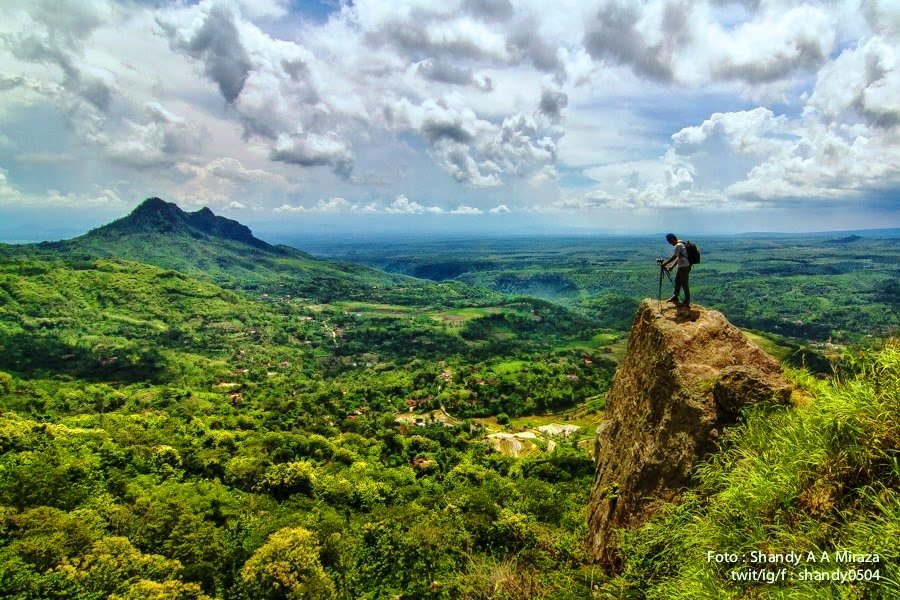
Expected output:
(403, 205)
(323, 205)
(463, 209)
(224, 179)
(500, 209)
(475, 151)
(287, 208)
(745, 132)
(334, 204)
(771, 47)
(862, 82)
(160, 140)
(311, 150)
(676, 40)
(97, 196)
(592, 106)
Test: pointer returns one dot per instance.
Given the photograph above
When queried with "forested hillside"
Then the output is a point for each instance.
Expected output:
(163, 435)
(189, 412)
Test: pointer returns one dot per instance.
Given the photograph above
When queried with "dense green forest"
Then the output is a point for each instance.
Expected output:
(809, 288)
(165, 436)
(188, 412)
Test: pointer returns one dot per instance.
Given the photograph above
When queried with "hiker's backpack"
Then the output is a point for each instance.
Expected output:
(693, 252)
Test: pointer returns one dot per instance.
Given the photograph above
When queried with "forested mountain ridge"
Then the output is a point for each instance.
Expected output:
(155, 214)
(213, 248)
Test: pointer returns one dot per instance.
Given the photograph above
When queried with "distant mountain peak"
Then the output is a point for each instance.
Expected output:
(155, 215)
(153, 202)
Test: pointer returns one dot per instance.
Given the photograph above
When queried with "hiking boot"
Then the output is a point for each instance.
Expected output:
(673, 300)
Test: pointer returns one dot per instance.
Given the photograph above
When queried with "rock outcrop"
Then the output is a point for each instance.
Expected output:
(686, 376)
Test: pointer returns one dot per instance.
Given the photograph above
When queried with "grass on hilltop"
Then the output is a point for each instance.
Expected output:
(824, 477)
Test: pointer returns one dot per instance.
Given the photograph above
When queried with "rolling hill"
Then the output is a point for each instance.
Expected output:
(213, 248)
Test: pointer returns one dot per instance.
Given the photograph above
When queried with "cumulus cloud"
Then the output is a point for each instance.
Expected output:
(826, 162)
(680, 40)
(401, 205)
(847, 141)
(10, 195)
(404, 205)
(861, 82)
(160, 140)
(463, 209)
(444, 72)
(841, 148)
(324, 205)
(240, 101)
(287, 208)
(500, 209)
(475, 151)
(311, 150)
(56, 36)
(526, 44)
(215, 41)
(334, 204)
(770, 49)
(645, 38)
(552, 104)
(221, 179)
(517, 148)
(431, 30)
(454, 157)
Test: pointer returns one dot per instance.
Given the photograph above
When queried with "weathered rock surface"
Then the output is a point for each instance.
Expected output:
(686, 375)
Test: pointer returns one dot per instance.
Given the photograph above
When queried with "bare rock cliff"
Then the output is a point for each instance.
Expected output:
(686, 376)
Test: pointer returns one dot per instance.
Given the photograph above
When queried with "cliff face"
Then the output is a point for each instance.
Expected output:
(685, 376)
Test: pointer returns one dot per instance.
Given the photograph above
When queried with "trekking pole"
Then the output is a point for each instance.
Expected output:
(662, 269)
(659, 292)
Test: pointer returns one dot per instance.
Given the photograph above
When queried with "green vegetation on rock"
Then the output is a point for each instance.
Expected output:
(823, 477)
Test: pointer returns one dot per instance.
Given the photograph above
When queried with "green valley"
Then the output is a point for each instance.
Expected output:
(187, 411)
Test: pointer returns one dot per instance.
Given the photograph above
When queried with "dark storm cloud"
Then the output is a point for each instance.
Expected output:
(526, 44)
(552, 104)
(48, 50)
(11, 83)
(497, 10)
(435, 70)
(412, 38)
(437, 129)
(217, 43)
(613, 35)
(310, 150)
(70, 21)
(804, 54)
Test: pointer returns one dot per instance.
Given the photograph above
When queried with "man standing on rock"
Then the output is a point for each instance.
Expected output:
(683, 274)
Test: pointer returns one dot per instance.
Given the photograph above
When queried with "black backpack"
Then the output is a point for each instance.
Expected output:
(693, 252)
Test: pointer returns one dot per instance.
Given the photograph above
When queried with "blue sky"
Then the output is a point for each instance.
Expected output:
(453, 115)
